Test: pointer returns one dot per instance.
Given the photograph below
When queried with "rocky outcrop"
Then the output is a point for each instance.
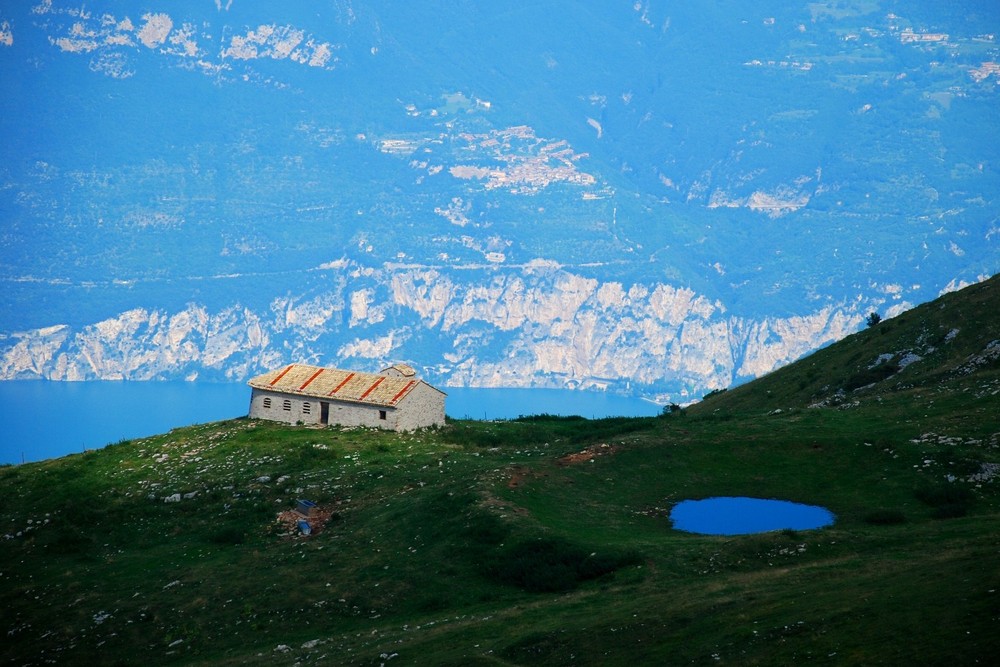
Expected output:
(537, 325)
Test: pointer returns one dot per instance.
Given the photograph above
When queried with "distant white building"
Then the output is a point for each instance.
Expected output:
(392, 399)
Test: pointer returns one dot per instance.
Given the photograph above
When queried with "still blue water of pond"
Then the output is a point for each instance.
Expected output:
(41, 419)
(743, 516)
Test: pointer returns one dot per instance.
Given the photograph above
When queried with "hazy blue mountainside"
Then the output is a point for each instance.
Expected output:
(649, 197)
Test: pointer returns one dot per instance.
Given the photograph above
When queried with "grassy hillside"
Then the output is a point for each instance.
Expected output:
(542, 540)
(950, 346)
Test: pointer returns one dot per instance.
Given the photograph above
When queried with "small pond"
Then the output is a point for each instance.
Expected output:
(743, 516)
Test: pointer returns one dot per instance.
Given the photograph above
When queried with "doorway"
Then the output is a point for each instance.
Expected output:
(324, 413)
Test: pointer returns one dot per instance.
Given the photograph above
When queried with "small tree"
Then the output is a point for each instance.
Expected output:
(672, 409)
(873, 319)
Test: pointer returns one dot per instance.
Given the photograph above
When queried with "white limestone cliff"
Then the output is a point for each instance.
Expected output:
(526, 327)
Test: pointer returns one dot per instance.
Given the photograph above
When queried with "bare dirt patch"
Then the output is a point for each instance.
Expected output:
(517, 476)
(288, 521)
(588, 454)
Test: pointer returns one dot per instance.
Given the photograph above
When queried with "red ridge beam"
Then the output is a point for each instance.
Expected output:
(402, 391)
(371, 388)
(341, 385)
(314, 376)
(281, 375)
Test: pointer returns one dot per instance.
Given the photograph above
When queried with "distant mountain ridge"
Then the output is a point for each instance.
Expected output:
(639, 197)
(610, 326)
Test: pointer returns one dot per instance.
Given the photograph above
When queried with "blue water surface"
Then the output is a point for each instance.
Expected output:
(743, 516)
(41, 420)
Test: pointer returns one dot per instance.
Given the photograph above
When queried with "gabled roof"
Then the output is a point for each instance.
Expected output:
(336, 385)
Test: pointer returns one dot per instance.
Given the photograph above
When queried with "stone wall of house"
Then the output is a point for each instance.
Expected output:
(423, 406)
(284, 407)
(357, 414)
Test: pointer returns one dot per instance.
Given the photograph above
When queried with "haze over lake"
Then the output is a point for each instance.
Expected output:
(652, 198)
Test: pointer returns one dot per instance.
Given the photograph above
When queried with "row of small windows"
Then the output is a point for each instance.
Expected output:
(286, 405)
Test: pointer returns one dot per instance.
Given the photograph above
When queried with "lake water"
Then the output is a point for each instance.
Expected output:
(42, 420)
(744, 516)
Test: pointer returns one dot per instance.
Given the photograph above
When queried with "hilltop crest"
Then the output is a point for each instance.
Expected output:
(949, 346)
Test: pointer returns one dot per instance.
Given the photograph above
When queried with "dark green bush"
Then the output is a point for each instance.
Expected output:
(871, 375)
(550, 565)
(949, 500)
(942, 493)
(950, 511)
(66, 540)
(672, 409)
(884, 517)
(545, 417)
(228, 535)
(486, 529)
(539, 429)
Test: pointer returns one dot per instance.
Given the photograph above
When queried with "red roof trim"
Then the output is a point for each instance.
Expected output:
(403, 391)
(341, 385)
(371, 388)
(314, 376)
(281, 375)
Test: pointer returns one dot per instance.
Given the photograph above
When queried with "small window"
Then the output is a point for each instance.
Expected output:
(287, 405)
(306, 407)
(381, 414)
(267, 402)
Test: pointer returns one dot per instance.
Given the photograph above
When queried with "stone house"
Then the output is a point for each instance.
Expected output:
(393, 398)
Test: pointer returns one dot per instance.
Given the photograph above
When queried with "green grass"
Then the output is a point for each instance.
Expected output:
(486, 543)
(452, 553)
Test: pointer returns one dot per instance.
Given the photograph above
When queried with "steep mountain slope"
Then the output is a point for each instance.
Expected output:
(641, 197)
(945, 350)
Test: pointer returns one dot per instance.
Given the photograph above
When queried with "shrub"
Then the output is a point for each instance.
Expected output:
(228, 535)
(672, 409)
(949, 500)
(67, 540)
(552, 565)
(485, 529)
(950, 511)
(871, 375)
(545, 417)
(883, 517)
